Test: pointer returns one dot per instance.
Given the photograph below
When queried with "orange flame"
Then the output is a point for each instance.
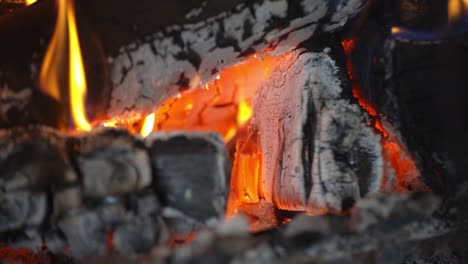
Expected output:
(55, 55)
(77, 75)
(52, 68)
(246, 171)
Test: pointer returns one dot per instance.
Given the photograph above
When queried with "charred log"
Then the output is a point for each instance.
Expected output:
(140, 64)
(414, 80)
(317, 152)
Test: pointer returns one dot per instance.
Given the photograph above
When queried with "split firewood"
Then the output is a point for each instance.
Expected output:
(138, 64)
(317, 152)
(107, 191)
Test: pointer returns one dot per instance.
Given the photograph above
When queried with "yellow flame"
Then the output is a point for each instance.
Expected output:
(77, 74)
(52, 66)
(30, 2)
(148, 125)
(188, 107)
(244, 113)
(230, 134)
(110, 123)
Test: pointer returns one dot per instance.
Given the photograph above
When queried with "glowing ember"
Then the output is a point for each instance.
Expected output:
(393, 151)
(30, 2)
(244, 113)
(52, 68)
(222, 105)
(148, 125)
(111, 123)
(246, 172)
(18, 255)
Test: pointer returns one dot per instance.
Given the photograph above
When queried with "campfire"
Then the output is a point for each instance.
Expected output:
(233, 131)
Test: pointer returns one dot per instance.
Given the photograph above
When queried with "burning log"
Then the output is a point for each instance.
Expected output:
(316, 151)
(148, 64)
(406, 68)
(209, 46)
(100, 192)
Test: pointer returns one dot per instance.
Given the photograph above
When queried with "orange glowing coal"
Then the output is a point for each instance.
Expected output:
(65, 47)
(223, 105)
(393, 152)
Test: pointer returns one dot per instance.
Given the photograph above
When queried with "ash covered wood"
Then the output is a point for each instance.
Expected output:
(142, 75)
(139, 63)
(318, 154)
(97, 192)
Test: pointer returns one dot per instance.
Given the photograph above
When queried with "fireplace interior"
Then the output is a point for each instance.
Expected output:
(260, 131)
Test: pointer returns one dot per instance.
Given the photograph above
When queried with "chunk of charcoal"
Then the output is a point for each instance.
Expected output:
(181, 226)
(54, 241)
(144, 228)
(136, 236)
(148, 205)
(67, 199)
(87, 231)
(112, 163)
(34, 158)
(19, 209)
(101, 229)
(192, 172)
